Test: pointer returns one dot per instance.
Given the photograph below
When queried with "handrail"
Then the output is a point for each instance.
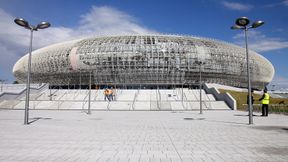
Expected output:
(184, 96)
(62, 95)
(194, 95)
(11, 103)
(60, 102)
(158, 99)
(108, 106)
(176, 93)
(16, 95)
(209, 100)
(36, 103)
(76, 94)
(52, 94)
(179, 93)
(40, 95)
(230, 101)
(85, 101)
(82, 98)
(136, 95)
(204, 100)
(96, 94)
(187, 101)
(16, 104)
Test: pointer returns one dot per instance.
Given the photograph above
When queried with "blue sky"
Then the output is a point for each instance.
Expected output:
(72, 19)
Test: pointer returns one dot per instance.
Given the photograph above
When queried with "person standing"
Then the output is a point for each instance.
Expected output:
(110, 94)
(106, 94)
(265, 102)
(252, 100)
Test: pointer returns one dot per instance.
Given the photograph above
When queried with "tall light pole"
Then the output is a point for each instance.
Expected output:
(80, 80)
(200, 63)
(89, 104)
(2, 82)
(242, 23)
(89, 98)
(50, 95)
(26, 25)
(50, 87)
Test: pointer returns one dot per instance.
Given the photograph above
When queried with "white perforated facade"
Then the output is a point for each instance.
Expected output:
(145, 60)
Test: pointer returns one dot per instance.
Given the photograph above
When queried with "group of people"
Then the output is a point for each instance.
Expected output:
(109, 94)
(264, 101)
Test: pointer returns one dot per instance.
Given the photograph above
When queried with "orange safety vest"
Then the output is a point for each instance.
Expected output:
(106, 92)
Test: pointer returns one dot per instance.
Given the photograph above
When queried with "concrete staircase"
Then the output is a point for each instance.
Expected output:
(126, 99)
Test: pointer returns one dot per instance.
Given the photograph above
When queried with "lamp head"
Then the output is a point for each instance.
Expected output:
(22, 22)
(258, 23)
(43, 25)
(236, 27)
(242, 21)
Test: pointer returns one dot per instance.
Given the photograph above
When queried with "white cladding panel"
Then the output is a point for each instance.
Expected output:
(145, 59)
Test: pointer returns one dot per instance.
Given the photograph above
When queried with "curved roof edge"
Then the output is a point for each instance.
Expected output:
(166, 34)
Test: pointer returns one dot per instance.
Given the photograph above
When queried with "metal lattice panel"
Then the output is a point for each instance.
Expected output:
(145, 59)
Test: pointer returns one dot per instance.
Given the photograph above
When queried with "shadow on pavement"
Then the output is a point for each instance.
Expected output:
(194, 119)
(37, 118)
(272, 150)
(281, 129)
(227, 122)
(219, 121)
(246, 115)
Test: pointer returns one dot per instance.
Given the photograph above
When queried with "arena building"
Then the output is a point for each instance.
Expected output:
(145, 60)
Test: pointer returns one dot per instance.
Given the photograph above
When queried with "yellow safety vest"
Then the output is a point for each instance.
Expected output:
(265, 100)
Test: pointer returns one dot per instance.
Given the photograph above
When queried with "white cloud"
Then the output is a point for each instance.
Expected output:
(260, 42)
(237, 6)
(14, 40)
(285, 2)
(107, 20)
(277, 3)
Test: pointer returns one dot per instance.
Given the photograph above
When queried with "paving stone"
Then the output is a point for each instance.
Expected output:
(142, 136)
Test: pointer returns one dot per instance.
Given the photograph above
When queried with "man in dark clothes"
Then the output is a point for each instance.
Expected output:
(252, 100)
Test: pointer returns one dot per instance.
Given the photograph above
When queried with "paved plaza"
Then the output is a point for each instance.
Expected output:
(142, 136)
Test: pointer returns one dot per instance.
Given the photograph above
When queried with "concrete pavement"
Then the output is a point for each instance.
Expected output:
(142, 136)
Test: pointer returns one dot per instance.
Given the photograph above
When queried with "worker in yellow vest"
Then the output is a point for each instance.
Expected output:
(265, 102)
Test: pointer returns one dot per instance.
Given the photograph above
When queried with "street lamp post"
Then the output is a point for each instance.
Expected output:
(50, 88)
(200, 63)
(241, 23)
(80, 80)
(50, 95)
(26, 25)
(89, 98)
(89, 106)
(182, 93)
(50, 92)
(2, 82)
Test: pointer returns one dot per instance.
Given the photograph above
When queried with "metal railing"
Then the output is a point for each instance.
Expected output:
(134, 100)
(84, 100)
(158, 97)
